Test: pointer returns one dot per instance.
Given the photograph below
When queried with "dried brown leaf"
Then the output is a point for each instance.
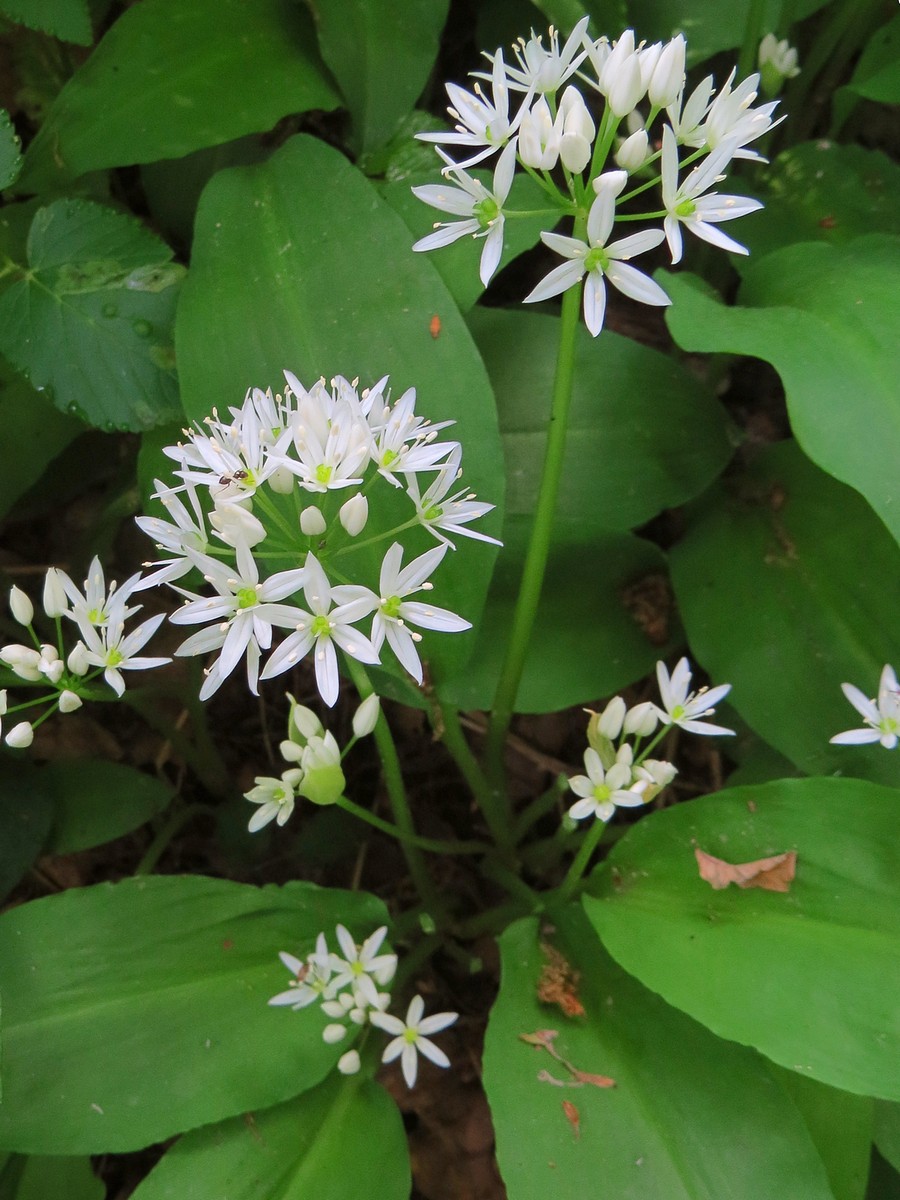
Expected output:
(774, 874)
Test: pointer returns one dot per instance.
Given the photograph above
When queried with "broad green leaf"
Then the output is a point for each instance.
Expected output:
(285, 280)
(603, 620)
(691, 1117)
(10, 156)
(826, 318)
(809, 977)
(46, 1178)
(825, 192)
(334, 1141)
(88, 316)
(136, 1010)
(884, 1180)
(887, 1131)
(96, 801)
(877, 72)
(171, 77)
(29, 420)
(784, 582)
(643, 434)
(68, 20)
(26, 810)
(840, 1125)
(381, 52)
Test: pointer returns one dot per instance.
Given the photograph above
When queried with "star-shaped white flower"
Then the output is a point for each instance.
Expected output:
(882, 715)
(437, 511)
(275, 798)
(311, 979)
(599, 261)
(411, 1037)
(482, 124)
(362, 967)
(602, 791)
(684, 708)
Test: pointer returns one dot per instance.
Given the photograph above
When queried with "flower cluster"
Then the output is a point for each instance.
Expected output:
(349, 988)
(579, 119)
(270, 504)
(104, 647)
(619, 773)
(881, 715)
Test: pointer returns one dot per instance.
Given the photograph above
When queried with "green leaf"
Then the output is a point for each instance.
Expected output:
(884, 1180)
(42, 1178)
(381, 53)
(603, 620)
(690, 1118)
(209, 71)
(643, 434)
(331, 1142)
(810, 977)
(28, 419)
(285, 280)
(10, 156)
(784, 581)
(96, 801)
(89, 316)
(109, 990)
(877, 72)
(68, 20)
(825, 317)
(823, 192)
(887, 1131)
(26, 810)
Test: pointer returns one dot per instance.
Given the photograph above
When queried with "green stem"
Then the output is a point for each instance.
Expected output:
(435, 845)
(533, 812)
(494, 812)
(174, 825)
(581, 860)
(753, 32)
(510, 881)
(541, 534)
(393, 778)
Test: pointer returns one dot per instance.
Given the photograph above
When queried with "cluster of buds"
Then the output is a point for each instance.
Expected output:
(65, 674)
(619, 771)
(314, 759)
(350, 988)
(579, 120)
(290, 481)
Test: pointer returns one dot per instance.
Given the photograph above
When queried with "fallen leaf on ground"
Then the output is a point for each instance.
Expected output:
(773, 874)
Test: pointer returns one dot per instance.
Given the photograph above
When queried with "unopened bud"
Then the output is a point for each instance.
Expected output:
(641, 720)
(23, 660)
(354, 514)
(538, 145)
(235, 524)
(633, 152)
(312, 523)
(20, 736)
(281, 481)
(667, 79)
(77, 662)
(576, 143)
(610, 720)
(334, 1033)
(306, 721)
(55, 601)
(20, 606)
(69, 701)
(366, 716)
(349, 1063)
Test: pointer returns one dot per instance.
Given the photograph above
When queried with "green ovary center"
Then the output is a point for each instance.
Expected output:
(114, 658)
(321, 627)
(677, 712)
(246, 597)
(411, 1036)
(596, 259)
(601, 792)
(389, 457)
(98, 616)
(323, 473)
(391, 607)
(686, 208)
(433, 512)
(486, 212)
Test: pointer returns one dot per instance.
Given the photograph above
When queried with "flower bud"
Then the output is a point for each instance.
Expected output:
(539, 137)
(23, 660)
(235, 524)
(20, 736)
(51, 666)
(77, 662)
(667, 79)
(323, 781)
(641, 719)
(349, 1063)
(20, 606)
(633, 152)
(334, 1033)
(290, 751)
(55, 601)
(366, 716)
(354, 514)
(69, 701)
(281, 481)
(4, 701)
(578, 130)
(609, 723)
(777, 62)
(312, 523)
(610, 181)
(627, 87)
(306, 721)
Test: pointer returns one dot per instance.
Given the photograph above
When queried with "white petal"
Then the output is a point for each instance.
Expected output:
(636, 284)
(560, 279)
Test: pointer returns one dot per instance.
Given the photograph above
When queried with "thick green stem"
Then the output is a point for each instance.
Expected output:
(435, 845)
(581, 860)
(493, 810)
(539, 545)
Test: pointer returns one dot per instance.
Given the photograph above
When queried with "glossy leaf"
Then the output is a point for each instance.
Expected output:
(331, 1142)
(691, 1117)
(381, 52)
(88, 315)
(96, 801)
(10, 156)
(209, 71)
(42, 1178)
(112, 989)
(26, 811)
(784, 583)
(68, 20)
(643, 434)
(286, 280)
(825, 317)
(809, 977)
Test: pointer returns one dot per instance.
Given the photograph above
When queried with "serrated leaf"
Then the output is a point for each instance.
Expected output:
(109, 990)
(810, 977)
(10, 151)
(89, 314)
(825, 317)
(784, 580)
(332, 1141)
(690, 1118)
(210, 71)
(68, 20)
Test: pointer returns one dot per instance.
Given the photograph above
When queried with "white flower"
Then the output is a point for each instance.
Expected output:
(366, 716)
(482, 209)
(354, 513)
(667, 79)
(363, 967)
(311, 980)
(438, 511)
(777, 62)
(602, 791)
(312, 521)
(411, 1038)
(69, 701)
(54, 597)
(186, 530)
(539, 137)
(20, 606)
(349, 1063)
(600, 261)
(641, 719)
(331, 438)
(322, 626)
(688, 709)
(882, 715)
(619, 74)
(686, 205)
(634, 151)
(244, 610)
(20, 736)
(731, 119)
(480, 122)
(275, 798)
(577, 131)
(111, 648)
(405, 442)
(609, 722)
(545, 70)
(90, 609)
(394, 612)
